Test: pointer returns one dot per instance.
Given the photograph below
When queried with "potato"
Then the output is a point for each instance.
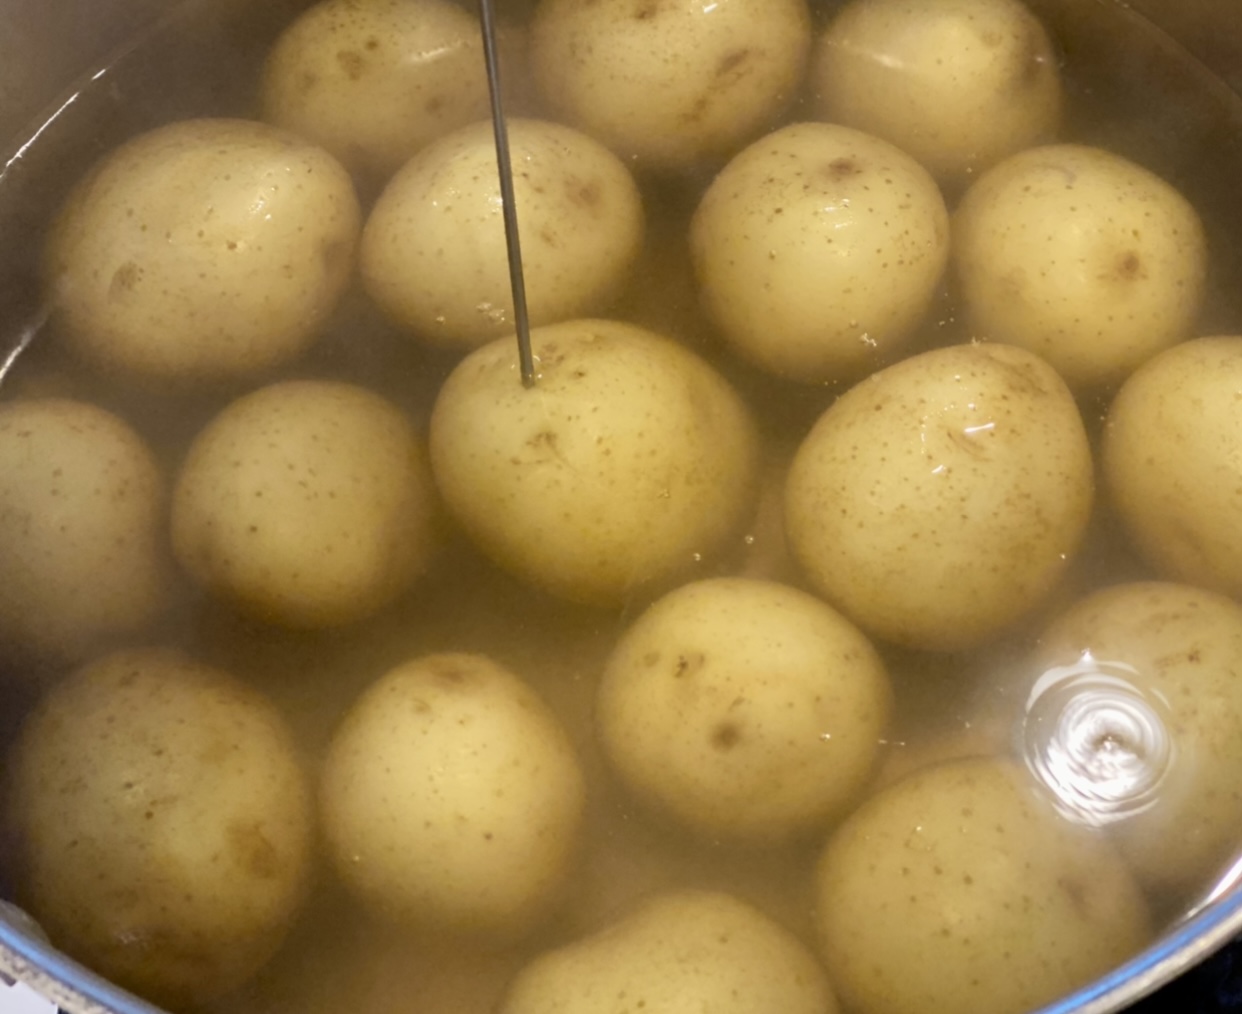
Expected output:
(202, 249)
(1081, 257)
(373, 81)
(669, 83)
(451, 798)
(630, 460)
(957, 889)
(81, 529)
(678, 952)
(1181, 647)
(818, 250)
(164, 824)
(746, 709)
(305, 503)
(433, 252)
(939, 501)
(1170, 452)
(958, 84)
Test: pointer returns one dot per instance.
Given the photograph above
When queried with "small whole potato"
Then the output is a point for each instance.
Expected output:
(305, 503)
(958, 889)
(669, 83)
(1082, 257)
(1182, 646)
(81, 529)
(817, 251)
(938, 501)
(164, 824)
(958, 84)
(629, 460)
(746, 709)
(451, 798)
(373, 81)
(1171, 448)
(433, 253)
(202, 249)
(678, 952)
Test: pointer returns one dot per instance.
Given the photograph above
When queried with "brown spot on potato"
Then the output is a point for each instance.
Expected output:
(125, 279)
(842, 168)
(688, 663)
(726, 736)
(732, 61)
(351, 63)
(252, 851)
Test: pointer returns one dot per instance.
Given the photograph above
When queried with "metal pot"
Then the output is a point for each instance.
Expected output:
(48, 51)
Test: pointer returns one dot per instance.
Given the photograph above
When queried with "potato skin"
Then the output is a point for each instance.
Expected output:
(817, 251)
(1171, 448)
(451, 798)
(957, 889)
(939, 500)
(681, 951)
(746, 709)
(82, 549)
(374, 81)
(433, 252)
(958, 84)
(164, 823)
(1082, 257)
(1186, 645)
(669, 83)
(305, 503)
(628, 459)
(202, 249)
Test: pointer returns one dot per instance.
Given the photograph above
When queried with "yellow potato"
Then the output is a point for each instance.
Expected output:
(1082, 257)
(202, 249)
(433, 253)
(451, 798)
(958, 889)
(669, 83)
(679, 952)
(818, 250)
(628, 462)
(1171, 449)
(374, 81)
(938, 501)
(958, 84)
(746, 709)
(1184, 646)
(306, 503)
(164, 824)
(81, 544)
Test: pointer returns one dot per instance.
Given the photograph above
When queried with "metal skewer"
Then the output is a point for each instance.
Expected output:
(513, 244)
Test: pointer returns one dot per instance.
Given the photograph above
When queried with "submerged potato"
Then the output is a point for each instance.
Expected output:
(958, 84)
(1171, 449)
(938, 501)
(630, 460)
(1184, 647)
(373, 81)
(817, 251)
(1082, 257)
(746, 709)
(679, 952)
(433, 253)
(202, 249)
(957, 889)
(669, 83)
(164, 824)
(81, 529)
(451, 798)
(306, 503)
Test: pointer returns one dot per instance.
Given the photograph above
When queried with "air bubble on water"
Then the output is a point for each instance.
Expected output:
(748, 539)
(867, 340)
(441, 319)
(495, 314)
(1097, 741)
(697, 557)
